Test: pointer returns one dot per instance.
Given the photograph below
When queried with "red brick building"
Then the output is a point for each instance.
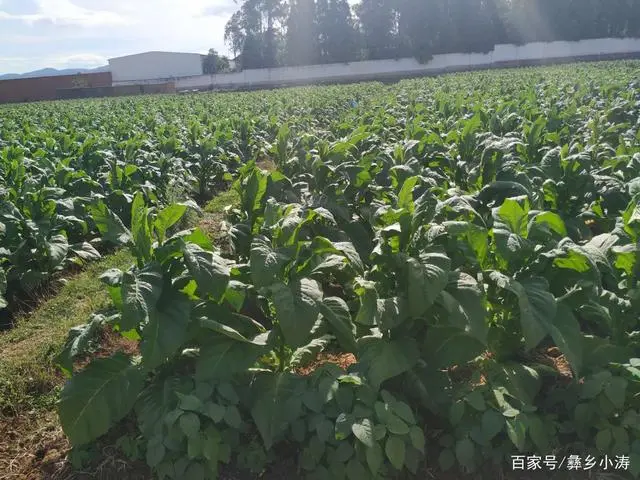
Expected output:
(46, 88)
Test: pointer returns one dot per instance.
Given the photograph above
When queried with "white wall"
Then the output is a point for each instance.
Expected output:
(376, 69)
(154, 67)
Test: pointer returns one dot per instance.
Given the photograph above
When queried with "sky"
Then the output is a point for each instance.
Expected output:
(38, 34)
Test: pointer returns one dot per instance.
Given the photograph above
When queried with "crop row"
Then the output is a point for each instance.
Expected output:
(471, 241)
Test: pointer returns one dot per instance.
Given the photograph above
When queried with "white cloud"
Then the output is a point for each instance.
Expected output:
(189, 25)
(44, 33)
(64, 12)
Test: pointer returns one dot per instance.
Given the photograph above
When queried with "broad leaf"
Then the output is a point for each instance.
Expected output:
(209, 270)
(109, 224)
(395, 450)
(566, 334)
(98, 397)
(513, 214)
(537, 305)
(266, 263)
(336, 312)
(448, 346)
(223, 358)
(141, 290)
(140, 228)
(465, 452)
(517, 432)
(79, 340)
(167, 217)
(277, 402)
(386, 359)
(363, 431)
(58, 247)
(426, 278)
(297, 309)
(464, 302)
(166, 329)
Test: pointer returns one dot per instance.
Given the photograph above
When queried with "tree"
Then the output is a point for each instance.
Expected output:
(337, 35)
(255, 31)
(274, 13)
(417, 28)
(378, 23)
(252, 56)
(214, 63)
(302, 37)
(234, 33)
(325, 30)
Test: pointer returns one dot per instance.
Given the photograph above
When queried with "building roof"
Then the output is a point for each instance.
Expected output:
(154, 52)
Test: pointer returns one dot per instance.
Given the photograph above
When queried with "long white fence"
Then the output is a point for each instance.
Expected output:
(501, 55)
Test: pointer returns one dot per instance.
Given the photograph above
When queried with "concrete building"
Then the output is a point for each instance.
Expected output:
(154, 67)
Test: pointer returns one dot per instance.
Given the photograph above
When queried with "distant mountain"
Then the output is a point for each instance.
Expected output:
(53, 72)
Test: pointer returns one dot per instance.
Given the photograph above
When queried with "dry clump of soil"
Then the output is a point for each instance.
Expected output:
(266, 163)
(343, 360)
(212, 224)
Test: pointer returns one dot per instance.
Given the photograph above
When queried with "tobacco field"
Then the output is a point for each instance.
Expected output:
(433, 275)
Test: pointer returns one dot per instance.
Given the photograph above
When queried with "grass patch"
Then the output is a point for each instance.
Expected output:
(28, 378)
(218, 203)
(211, 222)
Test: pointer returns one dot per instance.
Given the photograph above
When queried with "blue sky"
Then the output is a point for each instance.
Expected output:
(85, 33)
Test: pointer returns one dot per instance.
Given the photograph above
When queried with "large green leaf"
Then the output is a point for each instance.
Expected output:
(167, 217)
(336, 312)
(101, 395)
(426, 278)
(386, 359)
(447, 346)
(141, 290)
(226, 330)
(395, 450)
(254, 190)
(464, 302)
(368, 311)
(222, 358)
(363, 431)
(109, 224)
(512, 248)
(85, 251)
(209, 270)
(513, 214)
(277, 402)
(322, 246)
(266, 263)
(536, 304)
(166, 329)
(58, 247)
(566, 333)
(550, 220)
(405, 196)
(297, 309)
(475, 238)
(391, 312)
(465, 452)
(517, 432)
(140, 228)
(79, 340)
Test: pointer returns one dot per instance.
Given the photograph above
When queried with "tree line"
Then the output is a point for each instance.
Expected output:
(269, 33)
